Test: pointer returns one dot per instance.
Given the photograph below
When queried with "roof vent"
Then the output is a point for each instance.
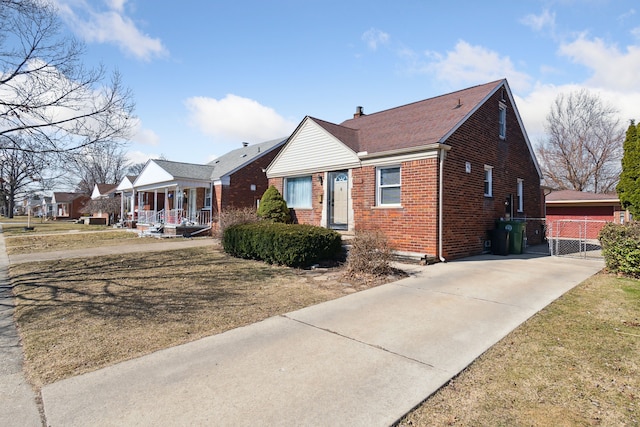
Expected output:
(359, 112)
(245, 144)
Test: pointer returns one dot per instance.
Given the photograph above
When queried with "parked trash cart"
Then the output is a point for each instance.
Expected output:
(499, 241)
(517, 232)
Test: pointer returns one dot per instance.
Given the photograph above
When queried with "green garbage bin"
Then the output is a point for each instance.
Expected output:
(517, 231)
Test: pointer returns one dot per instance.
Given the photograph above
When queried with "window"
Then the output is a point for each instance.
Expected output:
(388, 186)
(520, 195)
(488, 181)
(298, 192)
(502, 120)
(207, 197)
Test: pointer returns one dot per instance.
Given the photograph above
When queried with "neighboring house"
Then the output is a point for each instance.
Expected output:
(433, 175)
(127, 200)
(47, 207)
(568, 210)
(103, 204)
(68, 205)
(187, 197)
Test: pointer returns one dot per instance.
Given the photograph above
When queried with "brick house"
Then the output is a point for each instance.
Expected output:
(68, 206)
(433, 175)
(568, 210)
(103, 204)
(187, 197)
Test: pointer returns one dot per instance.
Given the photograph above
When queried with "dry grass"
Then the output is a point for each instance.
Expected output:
(575, 363)
(79, 315)
(61, 242)
(16, 226)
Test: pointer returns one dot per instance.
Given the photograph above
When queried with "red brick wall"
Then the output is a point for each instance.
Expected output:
(411, 227)
(239, 194)
(468, 214)
(590, 213)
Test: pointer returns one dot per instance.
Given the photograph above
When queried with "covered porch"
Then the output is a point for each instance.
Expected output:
(174, 205)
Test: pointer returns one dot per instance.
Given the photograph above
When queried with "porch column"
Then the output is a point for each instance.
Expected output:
(155, 203)
(166, 201)
(122, 207)
(133, 204)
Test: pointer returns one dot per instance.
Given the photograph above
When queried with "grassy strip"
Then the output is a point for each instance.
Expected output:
(16, 226)
(577, 362)
(76, 316)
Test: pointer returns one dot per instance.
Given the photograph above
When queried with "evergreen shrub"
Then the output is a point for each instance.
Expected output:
(273, 207)
(293, 245)
(621, 248)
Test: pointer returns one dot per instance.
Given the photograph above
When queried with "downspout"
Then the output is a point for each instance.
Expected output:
(440, 202)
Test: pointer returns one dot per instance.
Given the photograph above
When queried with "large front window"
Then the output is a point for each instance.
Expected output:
(298, 192)
(207, 197)
(388, 186)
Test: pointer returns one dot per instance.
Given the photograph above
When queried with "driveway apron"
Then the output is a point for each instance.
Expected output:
(364, 359)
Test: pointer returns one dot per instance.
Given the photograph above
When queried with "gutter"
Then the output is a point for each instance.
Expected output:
(440, 202)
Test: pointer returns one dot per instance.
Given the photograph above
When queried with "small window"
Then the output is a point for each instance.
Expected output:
(621, 217)
(207, 197)
(298, 192)
(388, 186)
(520, 194)
(502, 120)
(488, 181)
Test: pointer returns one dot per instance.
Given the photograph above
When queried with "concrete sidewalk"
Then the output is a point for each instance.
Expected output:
(364, 359)
(18, 407)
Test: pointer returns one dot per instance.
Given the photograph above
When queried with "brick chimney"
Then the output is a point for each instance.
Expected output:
(359, 112)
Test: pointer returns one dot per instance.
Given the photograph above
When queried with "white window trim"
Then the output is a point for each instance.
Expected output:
(489, 169)
(380, 187)
(285, 195)
(520, 193)
(502, 121)
(210, 191)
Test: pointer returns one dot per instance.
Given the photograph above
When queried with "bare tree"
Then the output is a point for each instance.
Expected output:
(583, 147)
(46, 92)
(19, 170)
(103, 163)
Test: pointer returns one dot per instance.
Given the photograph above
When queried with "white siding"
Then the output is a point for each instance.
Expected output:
(312, 149)
(153, 174)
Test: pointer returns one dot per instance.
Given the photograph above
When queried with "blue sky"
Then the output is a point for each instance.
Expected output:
(208, 75)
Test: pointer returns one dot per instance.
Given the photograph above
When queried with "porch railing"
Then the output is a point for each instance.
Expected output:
(175, 217)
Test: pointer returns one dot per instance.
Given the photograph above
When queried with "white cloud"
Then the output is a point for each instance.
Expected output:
(237, 119)
(144, 136)
(540, 22)
(611, 68)
(140, 157)
(374, 37)
(468, 64)
(110, 26)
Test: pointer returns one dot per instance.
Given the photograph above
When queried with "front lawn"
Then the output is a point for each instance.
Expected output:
(79, 315)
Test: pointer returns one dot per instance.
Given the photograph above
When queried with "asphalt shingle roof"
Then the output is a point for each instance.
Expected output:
(412, 125)
(235, 159)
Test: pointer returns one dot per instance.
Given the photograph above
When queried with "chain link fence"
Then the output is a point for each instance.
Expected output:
(574, 238)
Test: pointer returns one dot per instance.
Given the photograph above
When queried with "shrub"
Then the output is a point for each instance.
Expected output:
(621, 248)
(369, 254)
(293, 245)
(273, 207)
(231, 217)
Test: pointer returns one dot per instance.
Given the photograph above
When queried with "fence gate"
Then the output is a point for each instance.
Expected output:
(575, 238)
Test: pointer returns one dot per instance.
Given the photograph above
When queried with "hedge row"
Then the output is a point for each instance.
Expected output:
(293, 245)
(621, 248)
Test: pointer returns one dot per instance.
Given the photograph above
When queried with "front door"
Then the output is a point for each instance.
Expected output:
(339, 200)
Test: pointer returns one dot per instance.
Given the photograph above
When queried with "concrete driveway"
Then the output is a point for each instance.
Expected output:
(364, 359)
